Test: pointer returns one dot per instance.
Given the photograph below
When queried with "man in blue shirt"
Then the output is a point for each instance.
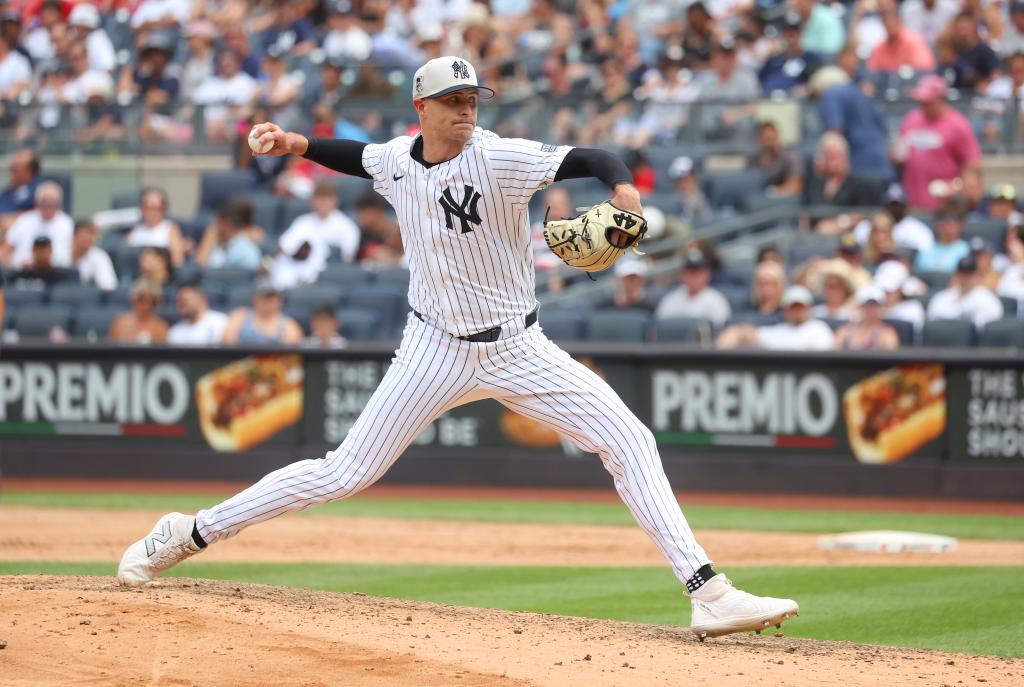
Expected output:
(792, 66)
(845, 109)
(20, 195)
(949, 245)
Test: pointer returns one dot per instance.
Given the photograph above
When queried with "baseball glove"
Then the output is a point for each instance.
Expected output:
(594, 240)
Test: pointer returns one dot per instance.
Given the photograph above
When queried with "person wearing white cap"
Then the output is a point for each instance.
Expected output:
(799, 331)
(631, 286)
(84, 22)
(867, 332)
(966, 298)
(693, 207)
(462, 197)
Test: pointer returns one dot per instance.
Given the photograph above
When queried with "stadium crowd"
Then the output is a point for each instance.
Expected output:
(920, 248)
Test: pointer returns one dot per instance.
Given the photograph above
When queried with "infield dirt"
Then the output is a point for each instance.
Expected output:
(74, 630)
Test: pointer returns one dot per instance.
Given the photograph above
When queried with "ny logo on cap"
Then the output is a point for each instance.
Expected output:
(461, 69)
(419, 85)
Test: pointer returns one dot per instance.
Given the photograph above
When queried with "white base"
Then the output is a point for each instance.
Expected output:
(888, 541)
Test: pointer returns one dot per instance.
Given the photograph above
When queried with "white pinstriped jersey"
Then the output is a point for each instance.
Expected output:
(465, 225)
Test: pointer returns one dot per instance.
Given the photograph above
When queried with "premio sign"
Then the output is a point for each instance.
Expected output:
(88, 398)
(744, 408)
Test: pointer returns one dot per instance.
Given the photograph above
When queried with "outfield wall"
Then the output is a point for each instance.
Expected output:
(725, 420)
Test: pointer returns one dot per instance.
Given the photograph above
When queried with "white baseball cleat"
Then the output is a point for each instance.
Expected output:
(721, 609)
(168, 544)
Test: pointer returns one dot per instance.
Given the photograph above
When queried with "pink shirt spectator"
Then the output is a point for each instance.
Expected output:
(909, 49)
(936, 149)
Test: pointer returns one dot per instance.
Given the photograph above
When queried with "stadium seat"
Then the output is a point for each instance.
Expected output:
(238, 296)
(218, 187)
(760, 202)
(387, 300)
(834, 323)
(229, 275)
(739, 297)
(350, 188)
(734, 189)
(345, 273)
(683, 329)
(120, 297)
(18, 297)
(752, 317)
(992, 230)
(38, 321)
(75, 294)
(618, 325)
(125, 199)
(562, 324)
(810, 245)
(394, 275)
(1011, 306)
(935, 279)
(1005, 333)
(359, 324)
(314, 296)
(127, 261)
(93, 322)
(948, 333)
(189, 273)
(905, 330)
(266, 212)
(292, 208)
(301, 315)
(169, 312)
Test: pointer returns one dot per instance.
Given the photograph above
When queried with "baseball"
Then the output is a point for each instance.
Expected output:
(256, 146)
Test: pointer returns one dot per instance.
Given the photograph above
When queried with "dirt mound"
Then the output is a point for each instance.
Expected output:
(60, 630)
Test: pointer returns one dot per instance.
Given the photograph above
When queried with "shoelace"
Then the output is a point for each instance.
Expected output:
(170, 554)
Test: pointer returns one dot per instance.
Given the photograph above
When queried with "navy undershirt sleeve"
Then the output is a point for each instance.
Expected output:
(582, 163)
(339, 154)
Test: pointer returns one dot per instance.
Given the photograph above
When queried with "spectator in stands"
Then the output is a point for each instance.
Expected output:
(152, 82)
(902, 47)
(40, 268)
(1012, 282)
(381, 243)
(729, 82)
(1002, 204)
(847, 258)
(37, 41)
(23, 178)
(291, 32)
(156, 228)
(907, 231)
(278, 89)
(798, 331)
(631, 286)
(845, 109)
(231, 239)
(978, 58)
(345, 38)
(225, 96)
(694, 297)
(644, 175)
(823, 30)
(92, 262)
(325, 329)
(142, 325)
(15, 70)
(789, 69)
(936, 143)
(199, 63)
(867, 331)
(880, 241)
(834, 185)
(198, 326)
(84, 24)
(770, 253)
(928, 18)
(836, 288)
(698, 36)
(305, 246)
(153, 14)
(237, 41)
(1012, 40)
(966, 298)
(155, 265)
(83, 81)
(984, 253)
(47, 219)
(767, 287)
(263, 322)
(949, 247)
(893, 278)
(783, 169)
(693, 207)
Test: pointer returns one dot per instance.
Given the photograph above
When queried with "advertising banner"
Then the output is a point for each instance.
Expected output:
(877, 415)
(987, 423)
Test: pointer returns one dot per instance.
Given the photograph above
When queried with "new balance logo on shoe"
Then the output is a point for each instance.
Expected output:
(161, 537)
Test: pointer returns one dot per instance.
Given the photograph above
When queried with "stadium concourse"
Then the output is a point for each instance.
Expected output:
(815, 174)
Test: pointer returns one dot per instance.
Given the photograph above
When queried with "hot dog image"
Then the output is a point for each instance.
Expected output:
(893, 413)
(250, 400)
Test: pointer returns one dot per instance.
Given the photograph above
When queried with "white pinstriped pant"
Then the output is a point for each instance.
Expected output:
(433, 372)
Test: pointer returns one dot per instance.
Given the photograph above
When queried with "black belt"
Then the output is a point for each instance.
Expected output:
(488, 335)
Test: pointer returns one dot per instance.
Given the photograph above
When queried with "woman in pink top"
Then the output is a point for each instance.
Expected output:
(936, 143)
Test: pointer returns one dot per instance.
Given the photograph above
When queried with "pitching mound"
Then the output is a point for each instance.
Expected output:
(63, 630)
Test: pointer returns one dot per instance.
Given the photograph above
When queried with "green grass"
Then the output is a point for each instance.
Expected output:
(701, 517)
(973, 610)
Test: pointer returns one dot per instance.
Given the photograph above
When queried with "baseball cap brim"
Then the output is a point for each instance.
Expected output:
(483, 92)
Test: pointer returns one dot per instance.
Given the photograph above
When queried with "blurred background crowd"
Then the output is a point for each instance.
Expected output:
(814, 173)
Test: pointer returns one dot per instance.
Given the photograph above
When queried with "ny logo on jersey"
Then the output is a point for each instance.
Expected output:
(461, 69)
(161, 537)
(465, 209)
